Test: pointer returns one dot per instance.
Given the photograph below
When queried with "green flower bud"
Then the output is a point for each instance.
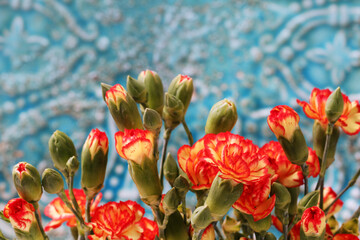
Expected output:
(61, 149)
(94, 158)
(309, 200)
(152, 121)
(52, 181)
(104, 88)
(201, 218)
(171, 201)
(283, 197)
(173, 112)
(260, 226)
(295, 150)
(171, 170)
(27, 182)
(350, 227)
(154, 88)
(176, 228)
(123, 108)
(182, 88)
(222, 195)
(136, 89)
(182, 186)
(72, 165)
(334, 106)
(222, 117)
(319, 138)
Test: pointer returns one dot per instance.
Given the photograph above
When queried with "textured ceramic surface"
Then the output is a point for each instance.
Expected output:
(54, 54)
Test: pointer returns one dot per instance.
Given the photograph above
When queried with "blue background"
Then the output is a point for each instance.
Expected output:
(55, 53)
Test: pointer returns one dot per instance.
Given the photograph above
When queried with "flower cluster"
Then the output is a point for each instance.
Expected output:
(224, 170)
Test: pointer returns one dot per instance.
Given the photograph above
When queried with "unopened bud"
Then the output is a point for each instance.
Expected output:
(283, 197)
(136, 89)
(313, 223)
(222, 117)
(171, 201)
(123, 108)
(319, 138)
(93, 162)
(152, 120)
(154, 88)
(27, 182)
(171, 170)
(182, 88)
(334, 106)
(104, 88)
(173, 112)
(61, 149)
(181, 185)
(52, 181)
(72, 165)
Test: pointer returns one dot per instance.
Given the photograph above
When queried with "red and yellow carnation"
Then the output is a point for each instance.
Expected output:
(237, 158)
(135, 144)
(122, 220)
(255, 200)
(20, 213)
(313, 222)
(329, 197)
(60, 213)
(349, 120)
(289, 174)
(197, 166)
(283, 121)
(115, 93)
(97, 141)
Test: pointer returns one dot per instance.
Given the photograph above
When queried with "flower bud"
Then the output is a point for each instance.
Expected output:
(201, 218)
(222, 195)
(72, 165)
(173, 112)
(123, 108)
(319, 138)
(313, 223)
(222, 117)
(27, 182)
(334, 106)
(52, 181)
(309, 200)
(154, 89)
(182, 186)
(136, 89)
(182, 88)
(350, 227)
(61, 149)
(284, 123)
(283, 197)
(94, 158)
(171, 201)
(22, 218)
(152, 121)
(171, 170)
(176, 228)
(104, 88)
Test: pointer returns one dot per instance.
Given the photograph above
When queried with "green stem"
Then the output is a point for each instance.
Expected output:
(349, 185)
(188, 132)
(70, 183)
(356, 214)
(329, 131)
(218, 231)
(79, 218)
(286, 225)
(304, 168)
(87, 210)
(167, 135)
(38, 219)
(160, 220)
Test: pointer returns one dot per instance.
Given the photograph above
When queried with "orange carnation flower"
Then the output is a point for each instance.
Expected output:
(60, 213)
(197, 166)
(255, 200)
(349, 120)
(20, 213)
(283, 121)
(122, 220)
(329, 197)
(237, 158)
